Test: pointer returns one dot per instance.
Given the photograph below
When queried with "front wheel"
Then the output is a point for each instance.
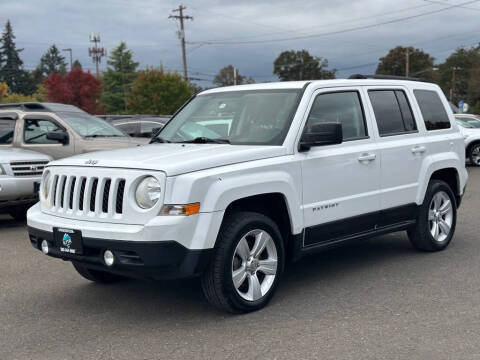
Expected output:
(248, 262)
(436, 220)
(474, 154)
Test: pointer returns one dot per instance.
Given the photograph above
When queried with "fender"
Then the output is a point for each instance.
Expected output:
(436, 162)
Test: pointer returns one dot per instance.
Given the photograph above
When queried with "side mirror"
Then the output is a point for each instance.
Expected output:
(321, 134)
(61, 137)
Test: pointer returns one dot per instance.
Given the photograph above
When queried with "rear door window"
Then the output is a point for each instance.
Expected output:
(433, 111)
(392, 112)
(7, 129)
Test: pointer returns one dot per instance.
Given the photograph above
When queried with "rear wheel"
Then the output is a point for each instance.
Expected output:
(437, 218)
(95, 275)
(474, 154)
(247, 265)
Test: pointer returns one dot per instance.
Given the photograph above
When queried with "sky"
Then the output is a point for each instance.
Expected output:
(351, 34)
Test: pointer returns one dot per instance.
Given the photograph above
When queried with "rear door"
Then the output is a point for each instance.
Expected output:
(340, 182)
(402, 150)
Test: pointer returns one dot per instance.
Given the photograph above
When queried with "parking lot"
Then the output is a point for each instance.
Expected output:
(376, 299)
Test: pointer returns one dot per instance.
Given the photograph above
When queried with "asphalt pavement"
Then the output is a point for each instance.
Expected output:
(378, 299)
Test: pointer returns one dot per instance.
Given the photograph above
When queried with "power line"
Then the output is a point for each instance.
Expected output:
(342, 31)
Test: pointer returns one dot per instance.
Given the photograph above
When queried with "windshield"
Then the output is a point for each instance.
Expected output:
(468, 123)
(259, 117)
(90, 126)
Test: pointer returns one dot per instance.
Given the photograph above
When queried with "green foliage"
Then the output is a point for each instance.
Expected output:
(77, 64)
(155, 91)
(52, 62)
(117, 80)
(420, 63)
(11, 66)
(225, 77)
(15, 98)
(466, 63)
(300, 65)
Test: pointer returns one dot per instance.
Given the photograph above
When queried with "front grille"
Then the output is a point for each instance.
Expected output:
(82, 194)
(28, 168)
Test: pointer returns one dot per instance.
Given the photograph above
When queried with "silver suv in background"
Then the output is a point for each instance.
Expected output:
(20, 175)
(58, 130)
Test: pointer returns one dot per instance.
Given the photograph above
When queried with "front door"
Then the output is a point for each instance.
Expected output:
(34, 131)
(340, 182)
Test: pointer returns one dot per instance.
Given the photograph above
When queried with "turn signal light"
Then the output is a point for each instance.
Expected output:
(185, 210)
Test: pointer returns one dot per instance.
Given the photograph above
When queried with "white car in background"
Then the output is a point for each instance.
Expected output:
(470, 128)
(20, 176)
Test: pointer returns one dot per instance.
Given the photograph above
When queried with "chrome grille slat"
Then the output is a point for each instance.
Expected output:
(28, 168)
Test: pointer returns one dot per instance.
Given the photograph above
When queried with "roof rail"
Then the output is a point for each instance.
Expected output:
(383, 77)
(26, 106)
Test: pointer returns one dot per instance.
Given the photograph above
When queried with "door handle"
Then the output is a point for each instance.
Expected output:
(419, 149)
(367, 157)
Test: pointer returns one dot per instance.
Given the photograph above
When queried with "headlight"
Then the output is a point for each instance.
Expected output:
(148, 192)
(187, 209)
(2, 170)
(46, 183)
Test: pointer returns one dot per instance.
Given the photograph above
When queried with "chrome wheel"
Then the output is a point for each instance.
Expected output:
(440, 216)
(254, 265)
(475, 155)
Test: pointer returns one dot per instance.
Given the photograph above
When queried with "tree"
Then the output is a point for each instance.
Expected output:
(155, 91)
(76, 63)
(77, 88)
(394, 63)
(121, 72)
(461, 65)
(52, 62)
(11, 66)
(3, 89)
(225, 77)
(300, 65)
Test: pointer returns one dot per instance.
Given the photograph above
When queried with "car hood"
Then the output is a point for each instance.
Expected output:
(99, 144)
(469, 131)
(16, 154)
(174, 159)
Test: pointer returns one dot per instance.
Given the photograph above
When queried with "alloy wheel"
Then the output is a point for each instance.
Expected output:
(254, 265)
(440, 216)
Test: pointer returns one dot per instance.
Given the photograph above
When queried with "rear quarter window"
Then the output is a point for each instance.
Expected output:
(433, 110)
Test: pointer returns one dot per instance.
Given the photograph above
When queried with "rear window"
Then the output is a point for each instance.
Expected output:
(432, 109)
(7, 128)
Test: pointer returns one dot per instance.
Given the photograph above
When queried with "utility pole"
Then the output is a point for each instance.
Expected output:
(95, 52)
(70, 51)
(181, 34)
(452, 89)
(407, 63)
(234, 75)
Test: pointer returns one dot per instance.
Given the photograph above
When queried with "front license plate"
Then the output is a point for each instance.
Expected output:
(69, 241)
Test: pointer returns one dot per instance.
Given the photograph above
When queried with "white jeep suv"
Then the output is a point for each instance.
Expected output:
(246, 178)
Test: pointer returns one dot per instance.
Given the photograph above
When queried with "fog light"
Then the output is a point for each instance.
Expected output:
(108, 258)
(45, 247)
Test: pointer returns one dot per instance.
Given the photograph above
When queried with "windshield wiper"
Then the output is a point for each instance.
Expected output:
(158, 140)
(205, 140)
(100, 135)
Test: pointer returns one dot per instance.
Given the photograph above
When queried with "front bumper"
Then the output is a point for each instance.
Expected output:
(137, 259)
(18, 188)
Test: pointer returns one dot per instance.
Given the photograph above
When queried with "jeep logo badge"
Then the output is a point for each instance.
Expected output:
(91, 162)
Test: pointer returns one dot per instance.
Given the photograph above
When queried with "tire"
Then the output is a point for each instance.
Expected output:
(238, 230)
(95, 275)
(422, 234)
(474, 154)
(19, 214)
